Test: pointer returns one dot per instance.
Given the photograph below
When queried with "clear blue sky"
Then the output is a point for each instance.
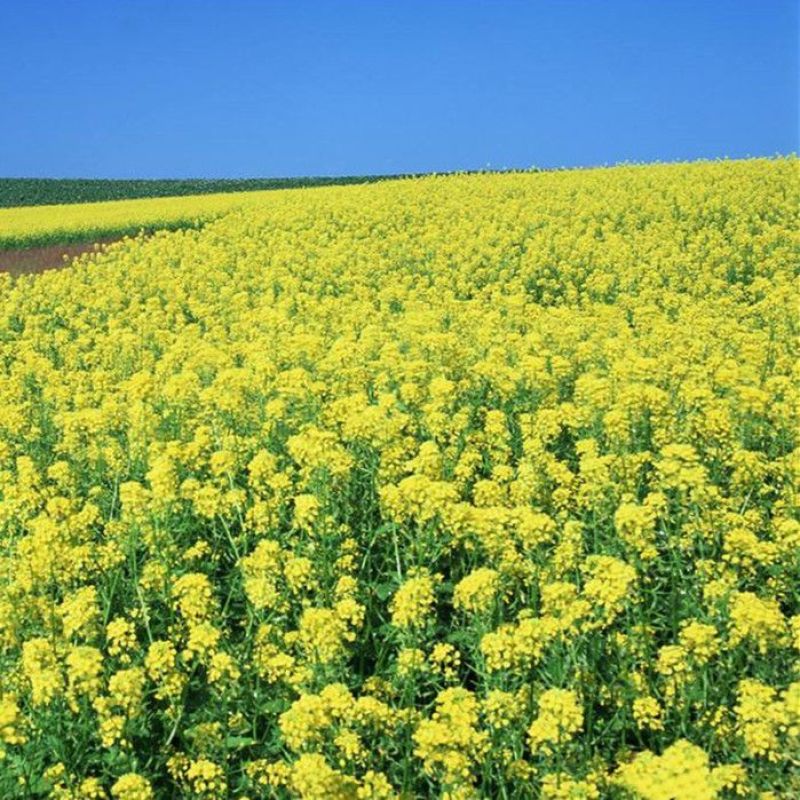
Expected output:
(139, 88)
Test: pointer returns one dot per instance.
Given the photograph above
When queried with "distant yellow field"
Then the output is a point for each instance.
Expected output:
(33, 225)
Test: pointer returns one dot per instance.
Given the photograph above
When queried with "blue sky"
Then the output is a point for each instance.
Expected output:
(107, 88)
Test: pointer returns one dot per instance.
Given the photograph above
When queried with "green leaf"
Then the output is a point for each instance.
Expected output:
(237, 742)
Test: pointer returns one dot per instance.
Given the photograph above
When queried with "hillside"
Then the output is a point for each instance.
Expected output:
(466, 486)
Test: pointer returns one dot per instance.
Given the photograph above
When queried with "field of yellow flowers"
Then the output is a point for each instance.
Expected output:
(26, 226)
(455, 487)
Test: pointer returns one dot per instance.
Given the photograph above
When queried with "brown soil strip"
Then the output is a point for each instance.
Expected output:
(32, 260)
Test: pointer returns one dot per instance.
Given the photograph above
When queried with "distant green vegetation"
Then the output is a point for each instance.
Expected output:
(55, 191)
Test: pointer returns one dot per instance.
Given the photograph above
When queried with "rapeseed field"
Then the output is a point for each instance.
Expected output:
(455, 487)
(32, 225)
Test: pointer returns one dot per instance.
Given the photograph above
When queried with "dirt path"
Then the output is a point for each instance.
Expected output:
(32, 260)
